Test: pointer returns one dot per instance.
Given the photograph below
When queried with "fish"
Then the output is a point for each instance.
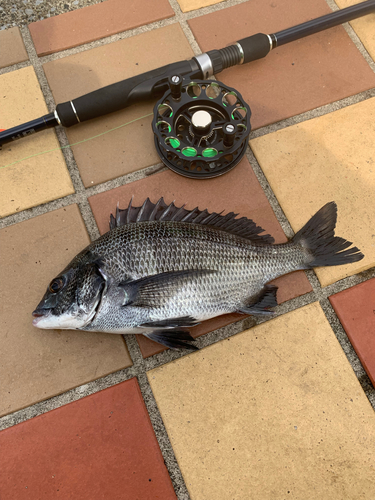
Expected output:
(162, 269)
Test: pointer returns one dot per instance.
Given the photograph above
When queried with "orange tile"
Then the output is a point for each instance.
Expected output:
(188, 5)
(102, 446)
(96, 21)
(38, 364)
(295, 77)
(355, 308)
(238, 191)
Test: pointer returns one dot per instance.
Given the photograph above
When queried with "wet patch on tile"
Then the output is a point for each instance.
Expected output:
(129, 148)
(330, 158)
(364, 27)
(102, 446)
(36, 179)
(12, 48)
(355, 308)
(94, 22)
(276, 411)
(238, 191)
(38, 364)
(295, 77)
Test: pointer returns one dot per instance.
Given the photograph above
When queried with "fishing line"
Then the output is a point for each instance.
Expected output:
(75, 143)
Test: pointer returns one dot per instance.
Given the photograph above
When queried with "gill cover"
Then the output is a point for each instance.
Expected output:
(72, 298)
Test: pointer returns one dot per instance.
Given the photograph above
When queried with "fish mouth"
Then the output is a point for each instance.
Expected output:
(39, 315)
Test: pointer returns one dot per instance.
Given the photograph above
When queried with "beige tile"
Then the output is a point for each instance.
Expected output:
(37, 179)
(274, 412)
(132, 147)
(330, 158)
(363, 26)
(38, 364)
(12, 48)
(187, 5)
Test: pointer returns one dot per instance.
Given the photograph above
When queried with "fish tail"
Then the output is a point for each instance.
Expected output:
(320, 244)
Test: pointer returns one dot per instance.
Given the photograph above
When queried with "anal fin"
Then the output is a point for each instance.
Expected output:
(174, 339)
(261, 303)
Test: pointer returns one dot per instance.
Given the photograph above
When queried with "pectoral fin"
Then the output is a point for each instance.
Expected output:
(156, 290)
(174, 339)
(261, 303)
(185, 321)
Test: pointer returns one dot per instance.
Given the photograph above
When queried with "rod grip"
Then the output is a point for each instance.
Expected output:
(255, 47)
(119, 95)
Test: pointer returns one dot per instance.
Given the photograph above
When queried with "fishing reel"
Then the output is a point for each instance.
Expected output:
(201, 127)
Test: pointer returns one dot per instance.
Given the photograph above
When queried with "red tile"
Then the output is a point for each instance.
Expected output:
(355, 308)
(238, 190)
(295, 77)
(100, 447)
(95, 22)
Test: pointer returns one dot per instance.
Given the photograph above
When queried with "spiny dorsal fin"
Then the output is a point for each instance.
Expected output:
(244, 227)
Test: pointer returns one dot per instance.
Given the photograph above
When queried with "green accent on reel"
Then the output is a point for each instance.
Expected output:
(172, 141)
(209, 152)
(189, 152)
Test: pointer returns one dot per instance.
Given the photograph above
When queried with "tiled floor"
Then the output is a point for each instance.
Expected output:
(284, 409)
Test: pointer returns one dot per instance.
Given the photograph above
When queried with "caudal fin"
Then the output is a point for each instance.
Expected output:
(323, 247)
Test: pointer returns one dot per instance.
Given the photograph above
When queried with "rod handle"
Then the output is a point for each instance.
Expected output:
(111, 98)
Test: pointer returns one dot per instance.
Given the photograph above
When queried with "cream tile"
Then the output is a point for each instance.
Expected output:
(274, 412)
(330, 158)
(12, 48)
(38, 364)
(37, 179)
(363, 26)
(188, 5)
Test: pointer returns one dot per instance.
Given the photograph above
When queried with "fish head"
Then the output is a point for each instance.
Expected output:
(72, 298)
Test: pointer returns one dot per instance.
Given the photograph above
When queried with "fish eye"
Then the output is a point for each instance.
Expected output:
(56, 285)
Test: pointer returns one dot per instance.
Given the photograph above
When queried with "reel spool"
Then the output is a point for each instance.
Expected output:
(201, 128)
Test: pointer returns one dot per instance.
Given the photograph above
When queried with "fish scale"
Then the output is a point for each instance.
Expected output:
(162, 269)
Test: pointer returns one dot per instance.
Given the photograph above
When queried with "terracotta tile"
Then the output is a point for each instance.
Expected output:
(132, 147)
(102, 446)
(356, 311)
(38, 364)
(38, 179)
(95, 22)
(238, 191)
(12, 48)
(188, 5)
(273, 412)
(295, 77)
(329, 158)
(364, 27)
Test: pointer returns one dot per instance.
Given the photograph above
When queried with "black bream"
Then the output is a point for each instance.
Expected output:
(160, 270)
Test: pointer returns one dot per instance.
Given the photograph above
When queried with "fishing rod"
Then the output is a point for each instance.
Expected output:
(209, 118)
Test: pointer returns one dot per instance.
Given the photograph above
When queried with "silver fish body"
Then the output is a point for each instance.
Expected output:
(157, 277)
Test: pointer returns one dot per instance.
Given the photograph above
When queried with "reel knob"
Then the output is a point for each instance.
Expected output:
(201, 121)
(229, 133)
(175, 85)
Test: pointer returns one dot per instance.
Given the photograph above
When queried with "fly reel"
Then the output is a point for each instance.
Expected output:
(201, 128)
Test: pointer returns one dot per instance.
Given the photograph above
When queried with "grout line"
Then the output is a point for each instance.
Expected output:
(349, 351)
(163, 438)
(66, 397)
(313, 113)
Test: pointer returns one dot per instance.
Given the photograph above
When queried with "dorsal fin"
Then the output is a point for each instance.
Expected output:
(149, 211)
